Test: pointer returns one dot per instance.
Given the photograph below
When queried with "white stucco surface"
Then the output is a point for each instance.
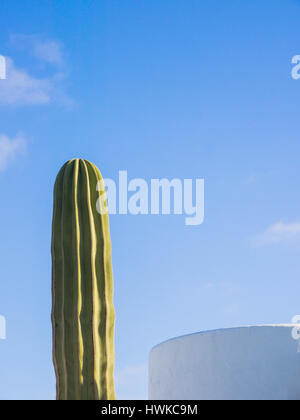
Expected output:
(246, 363)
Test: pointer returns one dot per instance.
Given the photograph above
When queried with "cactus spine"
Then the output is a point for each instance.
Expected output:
(82, 287)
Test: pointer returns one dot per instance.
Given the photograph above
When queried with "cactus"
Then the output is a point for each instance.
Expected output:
(83, 314)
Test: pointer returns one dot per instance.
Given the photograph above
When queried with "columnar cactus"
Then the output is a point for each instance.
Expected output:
(83, 314)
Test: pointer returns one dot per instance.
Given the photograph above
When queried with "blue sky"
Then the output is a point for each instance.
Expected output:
(172, 88)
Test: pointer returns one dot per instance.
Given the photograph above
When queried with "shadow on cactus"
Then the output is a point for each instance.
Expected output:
(83, 314)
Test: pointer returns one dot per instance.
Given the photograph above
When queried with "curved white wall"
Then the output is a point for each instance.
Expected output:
(244, 363)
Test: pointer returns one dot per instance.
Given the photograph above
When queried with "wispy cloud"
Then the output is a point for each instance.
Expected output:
(131, 382)
(250, 179)
(278, 233)
(22, 88)
(50, 51)
(10, 148)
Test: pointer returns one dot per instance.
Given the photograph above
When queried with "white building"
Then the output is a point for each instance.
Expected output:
(247, 363)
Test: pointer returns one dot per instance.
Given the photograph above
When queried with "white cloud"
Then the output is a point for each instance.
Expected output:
(132, 382)
(10, 148)
(22, 89)
(279, 232)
